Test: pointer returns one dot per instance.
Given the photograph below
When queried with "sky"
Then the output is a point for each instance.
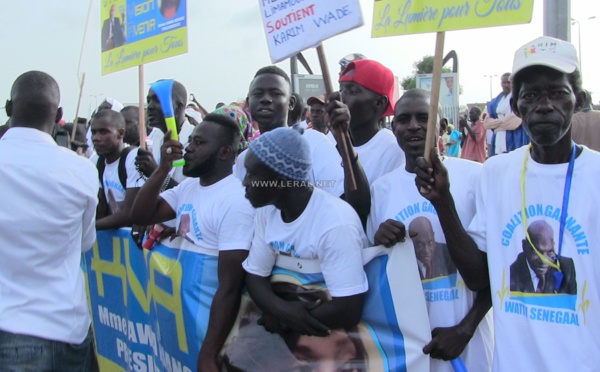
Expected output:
(227, 44)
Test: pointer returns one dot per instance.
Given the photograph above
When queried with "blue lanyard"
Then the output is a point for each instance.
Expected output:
(558, 275)
(565, 203)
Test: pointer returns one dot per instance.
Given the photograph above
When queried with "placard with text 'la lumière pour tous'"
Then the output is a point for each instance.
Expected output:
(403, 17)
(136, 32)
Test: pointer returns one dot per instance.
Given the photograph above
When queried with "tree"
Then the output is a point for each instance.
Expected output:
(423, 66)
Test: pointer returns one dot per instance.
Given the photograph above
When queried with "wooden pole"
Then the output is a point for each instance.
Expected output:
(74, 130)
(432, 133)
(142, 110)
(328, 91)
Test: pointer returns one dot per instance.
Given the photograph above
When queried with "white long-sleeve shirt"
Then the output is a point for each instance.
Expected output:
(48, 199)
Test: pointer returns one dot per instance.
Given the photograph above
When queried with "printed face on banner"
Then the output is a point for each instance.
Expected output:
(403, 17)
(135, 32)
(292, 26)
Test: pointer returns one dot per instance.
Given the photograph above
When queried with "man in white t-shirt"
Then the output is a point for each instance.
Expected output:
(270, 99)
(211, 213)
(295, 219)
(117, 190)
(148, 161)
(543, 196)
(367, 87)
(457, 315)
(48, 199)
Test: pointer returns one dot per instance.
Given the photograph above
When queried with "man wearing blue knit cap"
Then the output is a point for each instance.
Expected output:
(286, 228)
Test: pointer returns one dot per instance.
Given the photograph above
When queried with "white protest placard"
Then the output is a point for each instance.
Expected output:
(292, 26)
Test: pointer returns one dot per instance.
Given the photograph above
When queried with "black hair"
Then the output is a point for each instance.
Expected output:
(505, 74)
(229, 125)
(128, 108)
(273, 70)
(115, 118)
(179, 93)
(574, 78)
(35, 97)
(295, 115)
(477, 109)
(413, 93)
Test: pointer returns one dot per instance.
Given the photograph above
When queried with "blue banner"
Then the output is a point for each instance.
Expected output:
(150, 312)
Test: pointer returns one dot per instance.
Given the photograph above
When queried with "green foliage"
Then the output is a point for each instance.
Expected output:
(422, 66)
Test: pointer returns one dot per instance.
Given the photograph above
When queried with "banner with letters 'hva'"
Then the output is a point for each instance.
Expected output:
(150, 312)
(292, 26)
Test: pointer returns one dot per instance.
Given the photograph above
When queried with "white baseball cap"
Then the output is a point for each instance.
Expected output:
(546, 51)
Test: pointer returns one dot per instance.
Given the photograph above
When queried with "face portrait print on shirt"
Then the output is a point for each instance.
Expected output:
(188, 227)
(439, 276)
(533, 286)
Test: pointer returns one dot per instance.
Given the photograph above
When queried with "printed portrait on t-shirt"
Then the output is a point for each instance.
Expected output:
(185, 227)
(433, 259)
(532, 274)
(113, 204)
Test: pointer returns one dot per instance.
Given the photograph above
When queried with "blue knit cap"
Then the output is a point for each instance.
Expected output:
(285, 151)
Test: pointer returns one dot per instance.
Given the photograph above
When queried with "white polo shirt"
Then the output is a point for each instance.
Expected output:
(48, 198)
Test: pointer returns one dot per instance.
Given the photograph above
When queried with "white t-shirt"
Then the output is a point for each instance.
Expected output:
(326, 171)
(380, 155)
(546, 331)
(502, 110)
(216, 217)
(113, 190)
(328, 230)
(395, 196)
(331, 138)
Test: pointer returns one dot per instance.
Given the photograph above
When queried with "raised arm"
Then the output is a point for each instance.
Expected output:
(148, 208)
(359, 199)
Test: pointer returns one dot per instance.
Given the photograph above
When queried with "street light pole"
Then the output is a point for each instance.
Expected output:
(574, 21)
(490, 76)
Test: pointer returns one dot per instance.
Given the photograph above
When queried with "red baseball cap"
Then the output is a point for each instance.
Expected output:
(374, 76)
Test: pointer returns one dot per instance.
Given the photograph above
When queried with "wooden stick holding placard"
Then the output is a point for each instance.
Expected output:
(74, 131)
(432, 133)
(328, 91)
(142, 111)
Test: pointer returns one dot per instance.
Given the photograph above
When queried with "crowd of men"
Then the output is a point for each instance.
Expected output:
(518, 230)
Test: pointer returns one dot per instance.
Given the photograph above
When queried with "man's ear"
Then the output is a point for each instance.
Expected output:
(225, 152)
(292, 103)
(121, 133)
(513, 106)
(382, 103)
(8, 107)
(59, 115)
(580, 99)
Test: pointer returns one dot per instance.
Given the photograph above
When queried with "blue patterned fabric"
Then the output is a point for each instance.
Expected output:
(285, 151)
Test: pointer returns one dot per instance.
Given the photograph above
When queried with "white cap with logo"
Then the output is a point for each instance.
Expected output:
(546, 51)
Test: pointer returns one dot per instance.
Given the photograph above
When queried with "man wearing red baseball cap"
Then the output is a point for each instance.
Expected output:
(367, 88)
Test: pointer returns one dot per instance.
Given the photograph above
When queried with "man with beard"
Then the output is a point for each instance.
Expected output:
(211, 211)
